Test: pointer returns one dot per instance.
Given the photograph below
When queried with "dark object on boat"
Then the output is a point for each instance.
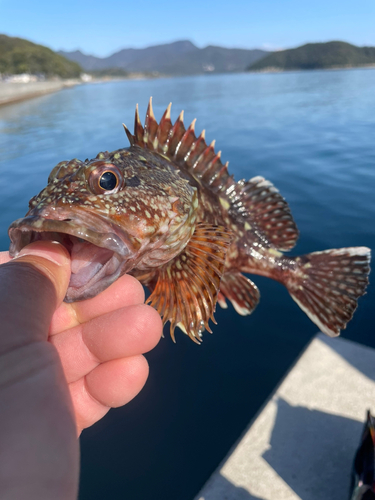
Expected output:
(363, 477)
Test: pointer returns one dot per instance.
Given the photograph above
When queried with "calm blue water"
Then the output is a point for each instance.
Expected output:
(313, 135)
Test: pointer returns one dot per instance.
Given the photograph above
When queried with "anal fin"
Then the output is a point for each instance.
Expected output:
(187, 287)
(242, 292)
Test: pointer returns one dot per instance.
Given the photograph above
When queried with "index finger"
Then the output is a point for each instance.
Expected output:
(126, 291)
(4, 257)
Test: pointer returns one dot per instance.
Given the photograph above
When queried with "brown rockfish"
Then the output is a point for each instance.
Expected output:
(166, 211)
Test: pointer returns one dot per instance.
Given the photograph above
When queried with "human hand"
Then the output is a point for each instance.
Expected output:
(99, 342)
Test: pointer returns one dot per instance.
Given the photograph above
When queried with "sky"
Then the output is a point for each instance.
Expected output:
(102, 27)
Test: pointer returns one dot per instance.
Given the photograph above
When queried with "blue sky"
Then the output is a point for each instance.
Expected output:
(105, 26)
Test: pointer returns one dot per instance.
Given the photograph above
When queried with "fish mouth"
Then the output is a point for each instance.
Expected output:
(98, 256)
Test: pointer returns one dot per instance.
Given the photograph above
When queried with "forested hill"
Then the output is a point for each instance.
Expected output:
(176, 58)
(21, 56)
(317, 56)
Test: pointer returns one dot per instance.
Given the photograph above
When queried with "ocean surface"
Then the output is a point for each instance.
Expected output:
(313, 135)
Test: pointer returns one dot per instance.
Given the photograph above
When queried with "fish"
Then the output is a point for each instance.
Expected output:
(167, 211)
(363, 475)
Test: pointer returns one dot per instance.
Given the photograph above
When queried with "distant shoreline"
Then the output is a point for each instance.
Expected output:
(12, 92)
(273, 69)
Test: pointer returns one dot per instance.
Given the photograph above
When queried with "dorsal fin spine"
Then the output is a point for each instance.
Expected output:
(211, 169)
(206, 155)
(138, 129)
(175, 135)
(217, 180)
(186, 142)
(198, 146)
(211, 177)
(164, 129)
(151, 126)
(129, 135)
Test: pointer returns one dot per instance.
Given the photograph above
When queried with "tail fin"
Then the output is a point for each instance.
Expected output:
(326, 285)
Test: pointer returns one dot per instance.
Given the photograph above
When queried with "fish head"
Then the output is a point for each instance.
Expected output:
(121, 211)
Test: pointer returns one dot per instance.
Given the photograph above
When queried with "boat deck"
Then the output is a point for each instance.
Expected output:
(302, 443)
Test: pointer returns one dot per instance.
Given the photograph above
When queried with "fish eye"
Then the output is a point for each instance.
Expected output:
(108, 181)
(104, 178)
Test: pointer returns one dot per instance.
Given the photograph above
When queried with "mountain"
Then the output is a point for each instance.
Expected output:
(21, 56)
(177, 58)
(316, 56)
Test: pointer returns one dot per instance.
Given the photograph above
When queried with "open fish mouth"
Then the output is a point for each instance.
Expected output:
(98, 257)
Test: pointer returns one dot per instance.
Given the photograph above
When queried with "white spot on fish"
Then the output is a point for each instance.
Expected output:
(38, 223)
(274, 252)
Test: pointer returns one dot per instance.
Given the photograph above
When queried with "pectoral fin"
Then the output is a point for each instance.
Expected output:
(187, 288)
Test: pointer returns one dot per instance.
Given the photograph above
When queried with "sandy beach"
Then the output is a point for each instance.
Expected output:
(11, 92)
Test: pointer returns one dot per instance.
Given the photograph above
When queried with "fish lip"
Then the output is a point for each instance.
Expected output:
(21, 230)
(124, 254)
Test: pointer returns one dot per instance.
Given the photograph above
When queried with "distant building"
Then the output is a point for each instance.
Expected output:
(22, 78)
(85, 77)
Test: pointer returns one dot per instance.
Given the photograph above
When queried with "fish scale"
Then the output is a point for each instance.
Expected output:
(179, 222)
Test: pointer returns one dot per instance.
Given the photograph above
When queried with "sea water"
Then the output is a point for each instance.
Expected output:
(310, 133)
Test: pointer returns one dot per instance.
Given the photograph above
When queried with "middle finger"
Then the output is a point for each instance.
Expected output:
(128, 331)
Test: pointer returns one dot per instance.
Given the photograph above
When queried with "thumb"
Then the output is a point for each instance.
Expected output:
(51, 259)
(37, 426)
(32, 286)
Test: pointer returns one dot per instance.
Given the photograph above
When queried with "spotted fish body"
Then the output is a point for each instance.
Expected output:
(167, 211)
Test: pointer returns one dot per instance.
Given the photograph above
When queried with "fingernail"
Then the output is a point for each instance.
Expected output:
(54, 252)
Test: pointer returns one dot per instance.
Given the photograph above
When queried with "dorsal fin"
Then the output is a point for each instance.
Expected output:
(180, 145)
(257, 200)
(260, 202)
